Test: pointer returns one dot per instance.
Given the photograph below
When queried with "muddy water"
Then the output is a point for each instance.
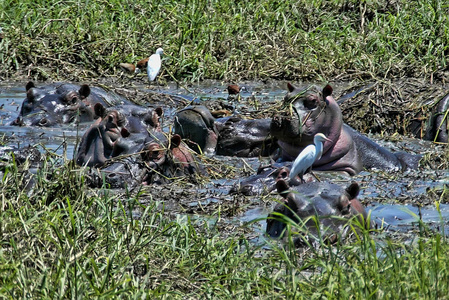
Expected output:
(392, 198)
(52, 139)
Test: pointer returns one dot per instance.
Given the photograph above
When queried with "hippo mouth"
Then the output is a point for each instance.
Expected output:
(112, 135)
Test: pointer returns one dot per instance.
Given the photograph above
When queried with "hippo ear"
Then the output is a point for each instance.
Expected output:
(99, 110)
(282, 173)
(282, 188)
(327, 91)
(31, 95)
(175, 141)
(124, 132)
(29, 85)
(353, 190)
(290, 87)
(84, 91)
(159, 111)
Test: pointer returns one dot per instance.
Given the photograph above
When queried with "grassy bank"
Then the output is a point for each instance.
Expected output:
(228, 40)
(61, 239)
(66, 241)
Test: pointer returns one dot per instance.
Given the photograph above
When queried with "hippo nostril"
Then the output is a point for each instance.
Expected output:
(112, 175)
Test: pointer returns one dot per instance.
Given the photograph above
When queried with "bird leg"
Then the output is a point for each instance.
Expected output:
(316, 176)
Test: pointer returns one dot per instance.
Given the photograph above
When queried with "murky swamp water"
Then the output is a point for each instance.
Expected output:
(392, 198)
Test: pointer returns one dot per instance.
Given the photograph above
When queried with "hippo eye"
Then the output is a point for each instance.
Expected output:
(155, 154)
(283, 174)
(310, 102)
(43, 122)
(74, 100)
(70, 98)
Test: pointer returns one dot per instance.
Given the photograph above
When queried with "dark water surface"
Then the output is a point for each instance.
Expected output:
(377, 187)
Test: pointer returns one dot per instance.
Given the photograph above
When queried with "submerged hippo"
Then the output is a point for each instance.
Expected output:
(311, 111)
(197, 125)
(127, 145)
(62, 103)
(231, 136)
(330, 203)
(161, 159)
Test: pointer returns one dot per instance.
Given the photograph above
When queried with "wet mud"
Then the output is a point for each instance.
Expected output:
(394, 114)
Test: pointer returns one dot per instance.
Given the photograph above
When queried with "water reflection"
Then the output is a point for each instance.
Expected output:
(402, 217)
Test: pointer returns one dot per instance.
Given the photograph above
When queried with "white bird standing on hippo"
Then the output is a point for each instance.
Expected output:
(154, 64)
(308, 156)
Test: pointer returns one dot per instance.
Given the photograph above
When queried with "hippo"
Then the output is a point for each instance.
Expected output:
(167, 159)
(306, 113)
(244, 137)
(161, 159)
(264, 181)
(330, 203)
(311, 111)
(117, 131)
(62, 103)
(439, 125)
(126, 145)
(231, 136)
(197, 125)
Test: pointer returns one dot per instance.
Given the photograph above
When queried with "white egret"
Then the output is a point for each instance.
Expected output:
(154, 64)
(308, 156)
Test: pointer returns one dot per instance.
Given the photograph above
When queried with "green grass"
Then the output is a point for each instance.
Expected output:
(228, 40)
(61, 239)
(71, 242)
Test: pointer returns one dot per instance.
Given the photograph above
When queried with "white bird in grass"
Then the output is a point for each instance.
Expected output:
(154, 64)
(308, 156)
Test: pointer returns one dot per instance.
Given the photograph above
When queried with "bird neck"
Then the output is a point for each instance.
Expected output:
(319, 150)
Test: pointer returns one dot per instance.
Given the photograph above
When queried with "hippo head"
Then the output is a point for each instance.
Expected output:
(157, 159)
(197, 125)
(103, 139)
(323, 200)
(48, 106)
(153, 119)
(306, 113)
(166, 159)
(263, 182)
(116, 132)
